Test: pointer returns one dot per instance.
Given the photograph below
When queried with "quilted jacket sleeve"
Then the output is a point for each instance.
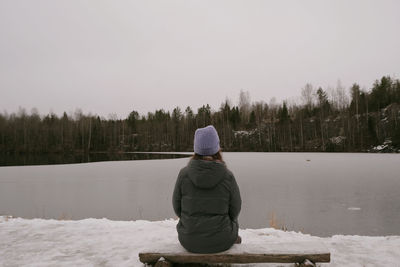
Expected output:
(176, 196)
(235, 202)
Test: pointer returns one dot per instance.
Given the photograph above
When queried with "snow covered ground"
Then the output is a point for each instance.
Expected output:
(102, 242)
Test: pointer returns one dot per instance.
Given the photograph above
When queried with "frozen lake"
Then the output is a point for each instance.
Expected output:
(317, 193)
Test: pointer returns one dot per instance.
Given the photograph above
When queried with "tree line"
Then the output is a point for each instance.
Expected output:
(330, 119)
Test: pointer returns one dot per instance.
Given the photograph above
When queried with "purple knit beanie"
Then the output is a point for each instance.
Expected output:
(206, 141)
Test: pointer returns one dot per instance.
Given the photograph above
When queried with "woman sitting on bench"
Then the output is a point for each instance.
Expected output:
(206, 198)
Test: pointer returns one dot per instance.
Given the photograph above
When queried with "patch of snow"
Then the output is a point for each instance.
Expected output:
(379, 147)
(385, 147)
(102, 242)
(388, 141)
(337, 139)
(354, 208)
(244, 133)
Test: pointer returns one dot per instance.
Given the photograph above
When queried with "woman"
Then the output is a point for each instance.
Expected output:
(206, 198)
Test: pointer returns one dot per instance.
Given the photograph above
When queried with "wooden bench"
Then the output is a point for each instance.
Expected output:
(305, 253)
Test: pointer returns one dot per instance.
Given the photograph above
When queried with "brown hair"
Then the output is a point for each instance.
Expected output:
(216, 157)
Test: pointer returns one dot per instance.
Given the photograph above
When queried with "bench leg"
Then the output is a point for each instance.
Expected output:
(306, 263)
(163, 263)
(200, 265)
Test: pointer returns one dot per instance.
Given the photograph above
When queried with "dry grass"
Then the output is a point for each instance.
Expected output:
(64, 217)
(5, 218)
(274, 223)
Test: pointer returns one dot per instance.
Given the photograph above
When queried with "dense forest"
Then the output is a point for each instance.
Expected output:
(331, 119)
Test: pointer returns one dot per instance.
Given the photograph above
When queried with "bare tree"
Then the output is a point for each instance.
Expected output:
(244, 105)
(307, 93)
(342, 98)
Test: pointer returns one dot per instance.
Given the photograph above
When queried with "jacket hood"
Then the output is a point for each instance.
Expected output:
(206, 174)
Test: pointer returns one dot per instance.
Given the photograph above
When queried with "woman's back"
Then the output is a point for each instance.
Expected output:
(207, 200)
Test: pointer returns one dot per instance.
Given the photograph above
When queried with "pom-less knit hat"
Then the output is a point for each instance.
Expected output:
(206, 141)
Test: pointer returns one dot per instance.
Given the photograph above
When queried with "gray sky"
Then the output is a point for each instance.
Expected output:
(114, 56)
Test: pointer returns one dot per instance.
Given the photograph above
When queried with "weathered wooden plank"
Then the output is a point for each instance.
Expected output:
(233, 258)
(264, 247)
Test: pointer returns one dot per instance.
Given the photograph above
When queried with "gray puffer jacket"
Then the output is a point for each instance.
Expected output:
(207, 200)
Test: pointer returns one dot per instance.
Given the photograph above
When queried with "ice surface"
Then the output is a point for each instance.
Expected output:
(305, 192)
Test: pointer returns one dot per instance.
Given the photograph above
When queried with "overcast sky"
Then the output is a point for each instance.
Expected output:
(114, 56)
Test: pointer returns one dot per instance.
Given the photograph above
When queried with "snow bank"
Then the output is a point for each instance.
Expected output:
(102, 242)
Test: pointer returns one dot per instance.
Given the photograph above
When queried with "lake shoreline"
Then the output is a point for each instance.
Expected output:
(57, 158)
